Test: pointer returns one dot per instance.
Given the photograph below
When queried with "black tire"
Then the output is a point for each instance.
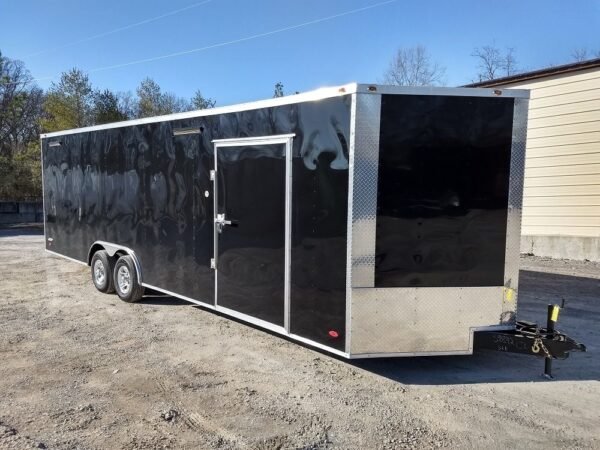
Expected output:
(126, 280)
(103, 267)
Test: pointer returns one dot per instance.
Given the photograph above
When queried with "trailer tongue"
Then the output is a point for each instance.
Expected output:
(531, 339)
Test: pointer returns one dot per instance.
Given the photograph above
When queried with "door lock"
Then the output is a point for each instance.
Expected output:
(220, 222)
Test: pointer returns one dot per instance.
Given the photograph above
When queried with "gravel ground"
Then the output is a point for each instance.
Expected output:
(80, 369)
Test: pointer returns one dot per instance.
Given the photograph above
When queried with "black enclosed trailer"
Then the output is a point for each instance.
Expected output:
(365, 220)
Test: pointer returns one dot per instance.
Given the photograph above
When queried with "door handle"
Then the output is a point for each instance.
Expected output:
(220, 222)
(221, 219)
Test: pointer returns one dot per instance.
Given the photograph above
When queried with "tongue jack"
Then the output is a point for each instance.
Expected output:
(551, 320)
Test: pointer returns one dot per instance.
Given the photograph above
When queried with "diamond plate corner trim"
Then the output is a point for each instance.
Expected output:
(348, 339)
(515, 205)
(364, 193)
(362, 197)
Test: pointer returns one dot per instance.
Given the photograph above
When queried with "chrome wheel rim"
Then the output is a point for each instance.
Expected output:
(124, 279)
(99, 272)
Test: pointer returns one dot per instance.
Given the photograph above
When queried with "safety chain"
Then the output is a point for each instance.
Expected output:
(538, 344)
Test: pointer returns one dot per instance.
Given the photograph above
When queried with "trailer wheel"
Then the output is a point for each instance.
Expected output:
(126, 280)
(102, 271)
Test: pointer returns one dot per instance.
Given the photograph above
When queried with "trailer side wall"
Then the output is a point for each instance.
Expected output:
(144, 188)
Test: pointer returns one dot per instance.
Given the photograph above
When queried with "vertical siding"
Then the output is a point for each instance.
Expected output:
(562, 168)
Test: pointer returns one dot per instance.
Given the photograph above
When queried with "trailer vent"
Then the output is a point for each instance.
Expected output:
(186, 131)
(55, 144)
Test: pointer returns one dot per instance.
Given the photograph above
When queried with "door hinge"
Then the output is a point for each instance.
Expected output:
(212, 263)
(212, 175)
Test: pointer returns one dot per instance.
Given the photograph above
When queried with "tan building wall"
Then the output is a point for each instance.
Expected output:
(561, 204)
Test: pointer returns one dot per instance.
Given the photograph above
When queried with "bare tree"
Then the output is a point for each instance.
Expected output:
(278, 92)
(412, 66)
(127, 104)
(580, 54)
(493, 63)
(510, 62)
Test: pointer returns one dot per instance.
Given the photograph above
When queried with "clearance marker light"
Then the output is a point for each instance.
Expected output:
(333, 334)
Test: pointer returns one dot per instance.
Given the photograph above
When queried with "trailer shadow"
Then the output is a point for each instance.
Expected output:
(481, 367)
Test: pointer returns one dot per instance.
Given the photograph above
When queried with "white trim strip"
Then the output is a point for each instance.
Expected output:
(223, 310)
(317, 345)
(43, 190)
(288, 235)
(253, 320)
(215, 183)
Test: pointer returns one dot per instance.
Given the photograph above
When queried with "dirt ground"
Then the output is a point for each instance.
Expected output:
(80, 369)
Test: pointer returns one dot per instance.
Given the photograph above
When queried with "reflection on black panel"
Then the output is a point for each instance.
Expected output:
(251, 251)
(444, 167)
(142, 187)
(139, 187)
(319, 226)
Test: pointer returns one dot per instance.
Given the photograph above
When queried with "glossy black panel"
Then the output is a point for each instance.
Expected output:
(137, 187)
(251, 251)
(319, 221)
(444, 167)
(144, 188)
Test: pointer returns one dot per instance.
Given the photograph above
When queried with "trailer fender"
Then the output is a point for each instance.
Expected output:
(113, 249)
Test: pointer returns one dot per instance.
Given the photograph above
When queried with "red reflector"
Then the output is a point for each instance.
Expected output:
(333, 333)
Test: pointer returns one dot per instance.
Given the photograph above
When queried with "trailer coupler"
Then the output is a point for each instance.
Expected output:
(531, 339)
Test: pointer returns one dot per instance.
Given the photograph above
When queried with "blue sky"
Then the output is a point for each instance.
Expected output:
(354, 47)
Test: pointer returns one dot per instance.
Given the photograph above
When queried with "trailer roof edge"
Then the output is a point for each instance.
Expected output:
(436, 90)
(317, 94)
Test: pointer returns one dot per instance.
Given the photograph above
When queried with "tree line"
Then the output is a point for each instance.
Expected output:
(26, 110)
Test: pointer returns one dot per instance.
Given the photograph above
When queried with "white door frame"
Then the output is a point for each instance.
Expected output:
(287, 140)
